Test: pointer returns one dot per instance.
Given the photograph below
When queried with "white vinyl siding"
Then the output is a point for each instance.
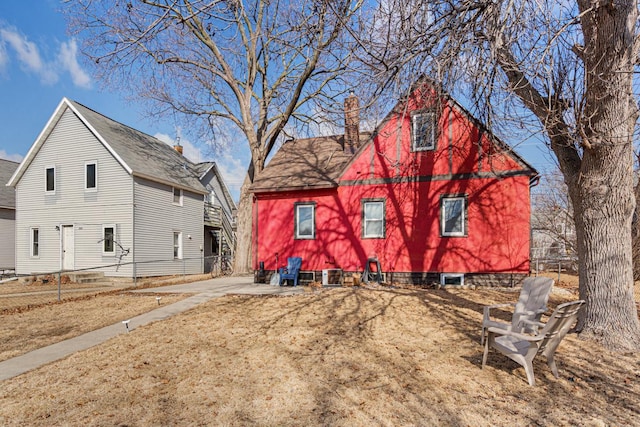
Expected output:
(154, 230)
(70, 146)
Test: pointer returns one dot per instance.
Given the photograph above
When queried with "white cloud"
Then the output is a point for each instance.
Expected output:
(69, 60)
(30, 59)
(29, 56)
(14, 157)
(4, 56)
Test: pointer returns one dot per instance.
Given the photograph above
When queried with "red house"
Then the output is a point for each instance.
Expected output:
(430, 193)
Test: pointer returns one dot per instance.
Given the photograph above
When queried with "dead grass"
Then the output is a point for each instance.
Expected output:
(340, 357)
(27, 329)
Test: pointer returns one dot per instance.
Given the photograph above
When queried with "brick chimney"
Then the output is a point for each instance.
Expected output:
(177, 146)
(351, 124)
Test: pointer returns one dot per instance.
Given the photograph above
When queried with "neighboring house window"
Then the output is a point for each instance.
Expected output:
(91, 176)
(456, 279)
(212, 198)
(453, 216)
(305, 220)
(373, 218)
(50, 179)
(35, 242)
(177, 196)
(108, 239)
(177, 245)
(423, 131)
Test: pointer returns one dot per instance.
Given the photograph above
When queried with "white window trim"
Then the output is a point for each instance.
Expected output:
(32, 241)
(92, 189)
(104, 227)
(180, 245)
(55, 178)
(414, 136)
(364, 220)
(443, 215)
(444, 276)
(180, 201)
(299, 236)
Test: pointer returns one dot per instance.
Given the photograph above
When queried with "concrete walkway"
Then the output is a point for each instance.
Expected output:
(204, 291)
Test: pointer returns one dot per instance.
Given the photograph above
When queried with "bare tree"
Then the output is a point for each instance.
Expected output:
(564, 70)
(259, 65)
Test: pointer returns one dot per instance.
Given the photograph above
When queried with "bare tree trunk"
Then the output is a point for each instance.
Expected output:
(603, 205)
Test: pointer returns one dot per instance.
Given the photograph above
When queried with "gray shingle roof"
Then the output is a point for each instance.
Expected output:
(145, 155)
(7, 194)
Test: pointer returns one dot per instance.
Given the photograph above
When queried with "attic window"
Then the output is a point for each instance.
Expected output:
(91, 176)
(423, 131)
(50, 179)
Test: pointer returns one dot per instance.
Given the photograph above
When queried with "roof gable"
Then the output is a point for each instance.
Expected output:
(139, 154)
(204, 168)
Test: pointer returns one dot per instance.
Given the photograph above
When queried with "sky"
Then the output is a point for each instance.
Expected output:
(40, 64)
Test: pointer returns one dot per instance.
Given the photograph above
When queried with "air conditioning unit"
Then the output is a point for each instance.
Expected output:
(332, 277)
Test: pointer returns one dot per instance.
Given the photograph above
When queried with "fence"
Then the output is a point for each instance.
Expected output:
(18, 292)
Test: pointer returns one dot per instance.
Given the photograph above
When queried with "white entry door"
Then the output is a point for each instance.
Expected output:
(67, 247)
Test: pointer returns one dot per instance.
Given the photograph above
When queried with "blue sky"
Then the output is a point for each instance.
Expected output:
(40, 64)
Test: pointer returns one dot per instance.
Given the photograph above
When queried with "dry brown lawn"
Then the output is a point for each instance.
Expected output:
(339, 357)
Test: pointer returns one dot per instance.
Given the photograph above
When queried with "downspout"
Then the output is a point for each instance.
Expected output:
(133, 230)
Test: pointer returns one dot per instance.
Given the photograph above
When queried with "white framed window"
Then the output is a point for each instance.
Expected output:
(91, 176)
(34, 242)
(373, 218)
(177, 245)
(177, 196)
(423, 131)
(456, 279)
(108, 239)
(453, 216)
(305, 220)
(50, 179)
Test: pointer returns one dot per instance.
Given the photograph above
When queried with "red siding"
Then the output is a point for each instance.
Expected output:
(497, 240)
(411, 183)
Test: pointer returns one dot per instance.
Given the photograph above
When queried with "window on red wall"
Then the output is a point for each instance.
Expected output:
(453, 215)
(373, 218)
(305, 220)
(423, 130)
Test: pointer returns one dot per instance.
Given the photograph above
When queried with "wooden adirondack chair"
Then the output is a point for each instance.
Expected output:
(523, 348)
(531, 304)
(292, 271)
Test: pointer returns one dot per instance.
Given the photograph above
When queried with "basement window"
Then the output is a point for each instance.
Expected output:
(452, 279)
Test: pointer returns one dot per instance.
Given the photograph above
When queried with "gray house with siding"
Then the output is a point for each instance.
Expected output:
(7, 216)
(93, 193)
